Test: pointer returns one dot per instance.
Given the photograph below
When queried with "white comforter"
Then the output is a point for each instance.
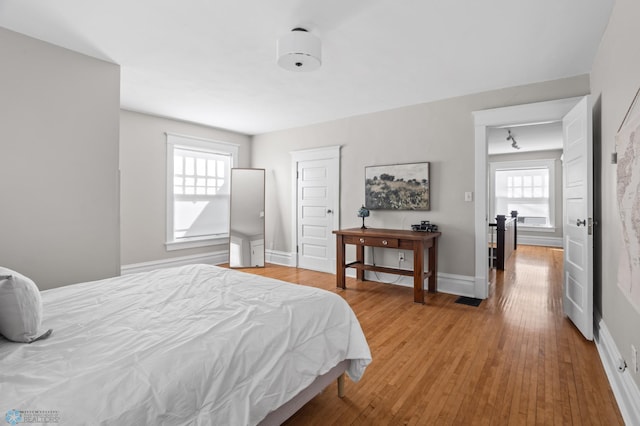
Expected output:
(191, 345)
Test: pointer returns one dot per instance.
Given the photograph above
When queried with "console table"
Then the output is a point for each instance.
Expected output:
(415, 241)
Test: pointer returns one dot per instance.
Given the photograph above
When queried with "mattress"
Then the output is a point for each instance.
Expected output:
(196, 344)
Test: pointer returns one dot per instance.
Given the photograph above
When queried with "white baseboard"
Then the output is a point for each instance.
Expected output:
(460, 285)
(280, 258)
(624, 388)
(211, 258)
(535, 240)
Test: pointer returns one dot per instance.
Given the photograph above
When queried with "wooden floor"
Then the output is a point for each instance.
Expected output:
(514, 360)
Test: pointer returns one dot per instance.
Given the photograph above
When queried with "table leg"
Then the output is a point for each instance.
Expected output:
(433, 266)
(360, 259)
(340, 263)
(418, 272)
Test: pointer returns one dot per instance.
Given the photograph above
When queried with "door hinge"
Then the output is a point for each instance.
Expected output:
(297, 249)
(297, 175)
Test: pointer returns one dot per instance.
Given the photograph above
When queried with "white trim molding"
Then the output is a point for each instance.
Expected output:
(535, 240)
(211, 258)
(622, 384)
(280, 258)
(196, 242)
(460, 285)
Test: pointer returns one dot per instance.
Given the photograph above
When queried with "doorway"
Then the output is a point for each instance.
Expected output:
(541, 112)
(575, 114)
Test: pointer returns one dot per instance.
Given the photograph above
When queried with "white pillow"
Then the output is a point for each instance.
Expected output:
(20, 307)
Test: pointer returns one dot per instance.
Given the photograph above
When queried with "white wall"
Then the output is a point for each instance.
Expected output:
(439, 132)
(59, 116)
(614, 82)
(143, 167)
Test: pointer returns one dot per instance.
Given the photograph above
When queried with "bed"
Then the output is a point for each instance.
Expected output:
(196, 344)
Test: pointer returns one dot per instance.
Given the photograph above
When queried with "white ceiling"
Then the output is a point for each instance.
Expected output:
(214, 61)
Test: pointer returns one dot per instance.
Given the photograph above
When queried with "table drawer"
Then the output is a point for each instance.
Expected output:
(371, 241)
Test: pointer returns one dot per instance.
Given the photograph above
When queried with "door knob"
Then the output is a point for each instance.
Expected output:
(329, 211)
(581, 222)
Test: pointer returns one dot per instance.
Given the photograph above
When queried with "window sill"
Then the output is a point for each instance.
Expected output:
(536, 228)
(195, 242)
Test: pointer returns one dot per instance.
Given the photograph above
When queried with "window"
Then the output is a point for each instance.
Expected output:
(528, 188)
(198, 182)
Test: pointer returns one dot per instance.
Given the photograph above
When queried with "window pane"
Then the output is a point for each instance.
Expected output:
(200, 204)
(189, 166)
(177, 164)
(525, 190)
(201, 218)
(201, 166)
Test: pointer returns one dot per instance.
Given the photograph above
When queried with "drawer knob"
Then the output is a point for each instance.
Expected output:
(361, 240)
(384, 242)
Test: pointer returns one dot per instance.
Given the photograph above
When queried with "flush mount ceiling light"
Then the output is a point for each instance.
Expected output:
(299, 51)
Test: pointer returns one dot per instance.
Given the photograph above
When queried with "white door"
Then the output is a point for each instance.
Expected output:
(257, 253)
(578, 214)
(317, 192)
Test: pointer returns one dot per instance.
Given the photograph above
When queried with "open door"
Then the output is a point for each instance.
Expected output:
(578, 214)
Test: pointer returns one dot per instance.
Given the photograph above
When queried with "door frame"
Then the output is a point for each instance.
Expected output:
(538, 112)
(323, 153)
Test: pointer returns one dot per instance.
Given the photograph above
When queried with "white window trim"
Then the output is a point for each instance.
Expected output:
(549, 163)
(218, 147)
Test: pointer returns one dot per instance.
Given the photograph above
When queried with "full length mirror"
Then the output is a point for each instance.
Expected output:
(246, 226)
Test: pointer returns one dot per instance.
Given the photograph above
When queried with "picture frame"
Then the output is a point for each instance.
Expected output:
(398, 187)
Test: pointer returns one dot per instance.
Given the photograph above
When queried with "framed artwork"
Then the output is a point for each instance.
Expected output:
(397, 187)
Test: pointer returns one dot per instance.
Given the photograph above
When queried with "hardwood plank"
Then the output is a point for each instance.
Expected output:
(515, 359)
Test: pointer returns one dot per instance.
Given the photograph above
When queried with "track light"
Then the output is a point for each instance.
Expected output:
(510, 137)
